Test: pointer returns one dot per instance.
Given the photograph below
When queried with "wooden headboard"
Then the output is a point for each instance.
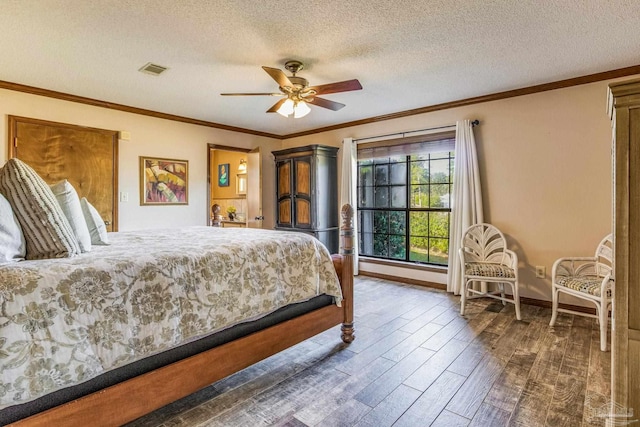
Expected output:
(86, 157)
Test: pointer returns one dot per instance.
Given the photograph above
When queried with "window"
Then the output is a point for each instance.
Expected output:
(404, 204)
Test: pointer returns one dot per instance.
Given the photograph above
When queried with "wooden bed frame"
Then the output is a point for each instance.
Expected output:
(131, 399)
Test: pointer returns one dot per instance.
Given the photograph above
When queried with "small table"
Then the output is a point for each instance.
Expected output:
(229, 223)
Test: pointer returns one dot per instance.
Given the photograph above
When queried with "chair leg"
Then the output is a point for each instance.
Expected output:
(501, 286)
(604, 323)
(463, 296)
(516, 300)
(555, 295)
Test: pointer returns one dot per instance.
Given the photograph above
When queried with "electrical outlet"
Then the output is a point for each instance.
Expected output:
(541, 271)
(124, 196)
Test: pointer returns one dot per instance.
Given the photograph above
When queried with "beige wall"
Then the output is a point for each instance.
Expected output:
(149, 137)
(545, 162)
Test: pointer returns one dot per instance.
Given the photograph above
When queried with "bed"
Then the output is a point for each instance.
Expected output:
(183, 307)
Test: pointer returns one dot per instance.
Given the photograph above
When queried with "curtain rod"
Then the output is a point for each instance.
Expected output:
(474, 123)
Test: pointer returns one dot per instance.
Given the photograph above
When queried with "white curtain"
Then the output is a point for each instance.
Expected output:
(349, 189)
(466, 206)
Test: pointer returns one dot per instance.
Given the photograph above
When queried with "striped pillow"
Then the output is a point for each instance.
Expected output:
(46, 230)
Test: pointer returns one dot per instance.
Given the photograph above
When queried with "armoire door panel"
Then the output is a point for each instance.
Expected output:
(284, 213)
(284, 179)
(303, 178)
(303, 213)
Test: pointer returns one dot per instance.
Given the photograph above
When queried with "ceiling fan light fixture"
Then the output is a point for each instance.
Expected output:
(301, 109)
(286, 109)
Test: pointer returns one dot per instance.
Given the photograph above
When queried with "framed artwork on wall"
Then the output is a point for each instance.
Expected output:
(164, 181)
(223, 175)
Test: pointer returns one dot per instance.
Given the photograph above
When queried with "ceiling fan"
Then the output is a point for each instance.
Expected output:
(298, 93)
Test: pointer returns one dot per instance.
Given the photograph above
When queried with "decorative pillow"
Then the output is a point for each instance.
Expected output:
(46, 230)
(95, 223)
(12, 244)
(70, 204)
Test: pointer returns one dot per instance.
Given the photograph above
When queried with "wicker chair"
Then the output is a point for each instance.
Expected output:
(484, 257)
(588, 278)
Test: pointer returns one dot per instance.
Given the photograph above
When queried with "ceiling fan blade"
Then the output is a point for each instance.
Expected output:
(344, 86)
(252, 94)
(325, 103)
(278, 76)
(276, 106)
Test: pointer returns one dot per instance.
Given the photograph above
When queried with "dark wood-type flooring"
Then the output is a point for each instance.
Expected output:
(417, 362)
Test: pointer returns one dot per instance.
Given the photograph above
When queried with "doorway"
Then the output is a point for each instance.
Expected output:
(235, 186)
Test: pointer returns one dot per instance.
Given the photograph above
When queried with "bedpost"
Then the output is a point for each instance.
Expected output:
(346, 237)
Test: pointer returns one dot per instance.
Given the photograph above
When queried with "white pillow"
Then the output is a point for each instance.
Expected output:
(70, 204)
(95, 223)
(47, 232)
(12, 244)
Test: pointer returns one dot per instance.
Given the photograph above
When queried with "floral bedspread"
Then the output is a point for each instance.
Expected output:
(65, 321)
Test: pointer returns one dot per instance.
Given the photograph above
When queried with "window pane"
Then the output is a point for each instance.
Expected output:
(420, 172)
(399, 197)
(381, 161)
(381, 222)
(397, 247)
(380, 244)
(366, 244)
(419, 196)
(382, 175)
(365, 197)
(397, 159)
(365, 162)
(398, 174)
(382, 197)
(439, 224)
(365, 176)
(418, 249)
(439, 196)
(397, 223)
(419, 224)
(439, 251)
(451, 165)
(365, 221)
(439, 171)
(441, 155)
(420, 157)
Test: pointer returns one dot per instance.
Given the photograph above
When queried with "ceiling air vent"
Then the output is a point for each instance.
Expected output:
(153, 69)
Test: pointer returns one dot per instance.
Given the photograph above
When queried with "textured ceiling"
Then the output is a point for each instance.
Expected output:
(406, 54)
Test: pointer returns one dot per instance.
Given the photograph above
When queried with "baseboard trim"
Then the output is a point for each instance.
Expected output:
(406, 280)
(547, 304)
(523, 300)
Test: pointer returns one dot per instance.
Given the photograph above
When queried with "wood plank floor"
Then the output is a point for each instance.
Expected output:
(417, 362)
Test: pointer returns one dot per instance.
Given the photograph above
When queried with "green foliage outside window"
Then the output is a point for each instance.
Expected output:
(405, 216)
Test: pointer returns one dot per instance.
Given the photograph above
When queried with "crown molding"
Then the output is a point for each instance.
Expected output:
(126, 108)
(575, 81)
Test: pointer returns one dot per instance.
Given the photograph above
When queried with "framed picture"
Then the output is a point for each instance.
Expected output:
(164, 181)
(223, 175)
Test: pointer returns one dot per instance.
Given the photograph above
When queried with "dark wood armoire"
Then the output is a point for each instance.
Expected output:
(307, 192)
(624, 108)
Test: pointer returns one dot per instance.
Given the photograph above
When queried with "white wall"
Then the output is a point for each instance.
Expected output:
(149, 137)
(545, 162)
